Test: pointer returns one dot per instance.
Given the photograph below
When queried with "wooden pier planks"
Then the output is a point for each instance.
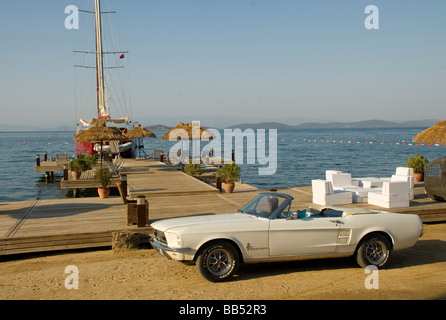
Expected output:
(33, 244)
(146, 177)
(49, 166)
(153, 178)
(47, 225)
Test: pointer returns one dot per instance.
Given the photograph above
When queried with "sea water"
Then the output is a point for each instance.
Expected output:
(302, 155)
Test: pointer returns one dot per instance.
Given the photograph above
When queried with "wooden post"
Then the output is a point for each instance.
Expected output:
(141, 203)
(38, 160)
(45, 156)
(124, 187)
(162, 157)
(65, 172)
(218, 183)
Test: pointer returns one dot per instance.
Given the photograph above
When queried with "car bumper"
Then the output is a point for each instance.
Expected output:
(168, 252)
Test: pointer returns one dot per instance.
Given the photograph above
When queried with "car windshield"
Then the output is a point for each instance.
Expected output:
(263, 205)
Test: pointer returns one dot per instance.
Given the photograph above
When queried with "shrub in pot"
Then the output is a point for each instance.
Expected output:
(229, 173)
(102, 176)
(418, 162)
(77, 166)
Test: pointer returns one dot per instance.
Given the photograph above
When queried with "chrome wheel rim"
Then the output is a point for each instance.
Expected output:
(219, 262)
(376, 252)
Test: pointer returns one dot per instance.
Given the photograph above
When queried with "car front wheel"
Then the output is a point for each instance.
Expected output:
(218, 261)
(373, 250)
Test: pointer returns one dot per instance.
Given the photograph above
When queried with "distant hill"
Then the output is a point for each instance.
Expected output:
(369, 124)
(334, 125)
(158, 127)
(262, 125)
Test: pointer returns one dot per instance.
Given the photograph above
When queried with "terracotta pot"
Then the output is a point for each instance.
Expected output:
(75, 175)
(103, 192)
(229, 187)
(418, 177)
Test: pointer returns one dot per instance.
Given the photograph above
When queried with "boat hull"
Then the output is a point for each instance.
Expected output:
(82, 147)
(126, 150)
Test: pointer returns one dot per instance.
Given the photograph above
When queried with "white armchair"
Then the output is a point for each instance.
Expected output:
(324, 194)
(342, 181)
(404, 171)
(329, 173)
(394, 194)
(409, 179)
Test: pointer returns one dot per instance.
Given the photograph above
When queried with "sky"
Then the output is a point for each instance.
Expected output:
(235, 61)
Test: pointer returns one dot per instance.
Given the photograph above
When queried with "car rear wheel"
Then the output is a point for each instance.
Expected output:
(373, 250)
(218, 261)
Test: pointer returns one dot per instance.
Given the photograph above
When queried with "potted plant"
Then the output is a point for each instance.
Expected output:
(418, 162)
(102, 176)
(229, 173)
(77, 166)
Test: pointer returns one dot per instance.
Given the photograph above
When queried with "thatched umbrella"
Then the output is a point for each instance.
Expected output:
(194, 133)
(433, 135)
(100, 133)
(139, 132)
(188, 128)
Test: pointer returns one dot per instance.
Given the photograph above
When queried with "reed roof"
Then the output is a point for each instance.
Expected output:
(433, 135)
(100, 132)
(176, 132)
(140, 132)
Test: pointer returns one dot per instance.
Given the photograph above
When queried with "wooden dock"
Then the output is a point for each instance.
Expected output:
(152, 178)
(63, 224)
(49, 166)
(48, 225)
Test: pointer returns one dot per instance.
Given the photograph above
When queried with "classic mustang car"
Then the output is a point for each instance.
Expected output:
(266, 229)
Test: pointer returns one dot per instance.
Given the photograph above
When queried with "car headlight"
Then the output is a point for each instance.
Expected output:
(173, 240)
(159, 236)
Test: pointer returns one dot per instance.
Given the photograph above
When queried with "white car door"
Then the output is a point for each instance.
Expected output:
(303, 236)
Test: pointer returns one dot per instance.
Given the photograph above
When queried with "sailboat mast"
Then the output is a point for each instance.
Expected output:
(103, 112)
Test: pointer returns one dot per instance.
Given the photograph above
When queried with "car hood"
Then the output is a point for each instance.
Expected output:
(208, 220)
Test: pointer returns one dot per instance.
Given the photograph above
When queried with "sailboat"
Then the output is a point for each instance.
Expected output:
(126, 149)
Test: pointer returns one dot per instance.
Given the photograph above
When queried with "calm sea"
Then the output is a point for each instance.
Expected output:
(302, 155)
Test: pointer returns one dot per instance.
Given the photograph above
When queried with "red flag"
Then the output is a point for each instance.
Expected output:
(121, 56)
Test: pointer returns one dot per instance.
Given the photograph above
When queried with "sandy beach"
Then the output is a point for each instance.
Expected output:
(416, 273)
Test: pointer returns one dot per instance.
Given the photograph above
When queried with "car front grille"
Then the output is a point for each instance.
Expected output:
(159, 236)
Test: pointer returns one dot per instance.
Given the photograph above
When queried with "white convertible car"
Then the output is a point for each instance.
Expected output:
(267, 230)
